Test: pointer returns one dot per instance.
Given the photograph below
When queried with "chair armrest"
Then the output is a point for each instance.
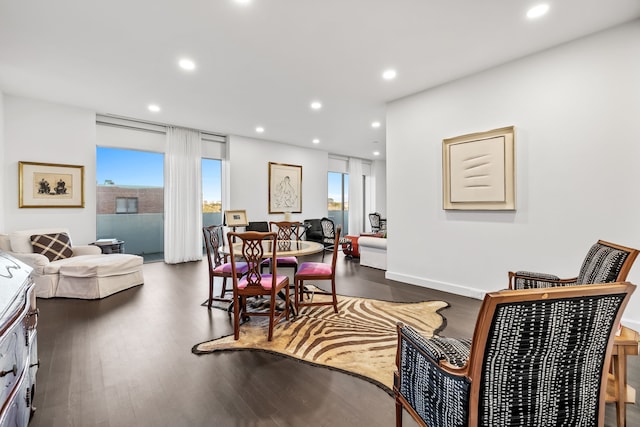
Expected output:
(438, 395)
(35, 261)
(86, 250)
(531, 280)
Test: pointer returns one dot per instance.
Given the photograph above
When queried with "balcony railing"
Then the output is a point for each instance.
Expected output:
(143, 234)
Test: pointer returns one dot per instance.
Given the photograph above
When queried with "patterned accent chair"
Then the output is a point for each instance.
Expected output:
(374, 220)
(605, 263)
(329, 237)
(537, 357)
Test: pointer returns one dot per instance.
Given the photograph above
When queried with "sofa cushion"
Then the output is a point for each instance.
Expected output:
(54, 246)
(21, 240)
(101, 265)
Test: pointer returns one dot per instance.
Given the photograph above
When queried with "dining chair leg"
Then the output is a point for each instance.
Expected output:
(224, 287)
(335, 297)
(272, 311)
(236, 316)
(210, 291)
(287, 303)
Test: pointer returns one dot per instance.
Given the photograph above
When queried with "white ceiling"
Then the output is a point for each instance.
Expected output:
(263, 63)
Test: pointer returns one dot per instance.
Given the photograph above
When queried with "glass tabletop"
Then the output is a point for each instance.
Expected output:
(283, 248)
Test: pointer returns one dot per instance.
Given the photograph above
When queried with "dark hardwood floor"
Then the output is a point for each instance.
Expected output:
(126, 361)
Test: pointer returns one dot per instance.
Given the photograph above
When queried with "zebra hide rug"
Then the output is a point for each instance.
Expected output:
(360, 340)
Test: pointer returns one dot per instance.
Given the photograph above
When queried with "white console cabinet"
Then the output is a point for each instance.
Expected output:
(18, 342)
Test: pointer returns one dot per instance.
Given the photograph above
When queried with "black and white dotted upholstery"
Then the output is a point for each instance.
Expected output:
(541, 363)
(603, 264)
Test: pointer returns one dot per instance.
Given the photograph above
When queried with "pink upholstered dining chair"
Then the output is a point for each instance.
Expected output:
(317, 271)
(218, 266)
(253, 245)
(285, 230)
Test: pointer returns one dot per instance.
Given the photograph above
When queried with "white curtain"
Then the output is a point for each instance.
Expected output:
(182, 196)
(355, 197)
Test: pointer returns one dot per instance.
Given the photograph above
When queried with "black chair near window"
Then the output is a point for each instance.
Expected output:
(261, 226)
(314, 230)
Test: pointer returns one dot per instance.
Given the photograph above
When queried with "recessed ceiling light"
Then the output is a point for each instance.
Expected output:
(243, 1)
(376, 153)
(316, 141)
(259, 129)
(389, 74)
(538, 11)
(187, 64)
(375, 124)
(153, 108)
(316, 105)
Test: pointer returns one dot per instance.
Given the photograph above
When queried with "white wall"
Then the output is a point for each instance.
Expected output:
(576, 110)
(37, 131)
(3, 172)
(379, 171)
(249, 170)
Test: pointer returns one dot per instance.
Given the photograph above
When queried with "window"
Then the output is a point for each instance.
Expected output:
(338, 200)
(130, 200)
(211, 192)
(125, 205)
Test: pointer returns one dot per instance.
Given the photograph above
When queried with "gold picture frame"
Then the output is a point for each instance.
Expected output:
(50, 185)
(237, 218)
(478, 171)
(285, 188)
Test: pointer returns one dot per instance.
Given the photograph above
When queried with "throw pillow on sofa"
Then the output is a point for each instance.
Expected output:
(54, 246)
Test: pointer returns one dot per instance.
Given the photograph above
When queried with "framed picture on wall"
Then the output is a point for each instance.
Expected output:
(285, 188)
(50, 185)
(478, 171)
(236, 218)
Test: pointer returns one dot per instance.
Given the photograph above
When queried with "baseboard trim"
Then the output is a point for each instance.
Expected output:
(437, 285)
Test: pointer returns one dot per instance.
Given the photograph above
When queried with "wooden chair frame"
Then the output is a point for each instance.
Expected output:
(285, 230)
(299, 281)
(252, 251)
(213, 241)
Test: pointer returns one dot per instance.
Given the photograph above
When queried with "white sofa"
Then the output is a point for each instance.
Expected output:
(86, 274)
(373, 252)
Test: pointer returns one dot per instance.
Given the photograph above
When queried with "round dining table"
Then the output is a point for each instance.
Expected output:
(283, 248)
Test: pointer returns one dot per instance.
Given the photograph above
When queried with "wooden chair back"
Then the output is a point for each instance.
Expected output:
(213, 241)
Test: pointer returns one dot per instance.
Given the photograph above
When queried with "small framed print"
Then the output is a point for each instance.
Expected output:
(236, 218)
(50, 185)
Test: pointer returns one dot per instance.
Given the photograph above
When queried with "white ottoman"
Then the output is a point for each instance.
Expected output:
(373, 252)
(98, 276)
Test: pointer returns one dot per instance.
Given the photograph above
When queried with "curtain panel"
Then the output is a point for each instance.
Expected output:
(183, 196)
(356, 196)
